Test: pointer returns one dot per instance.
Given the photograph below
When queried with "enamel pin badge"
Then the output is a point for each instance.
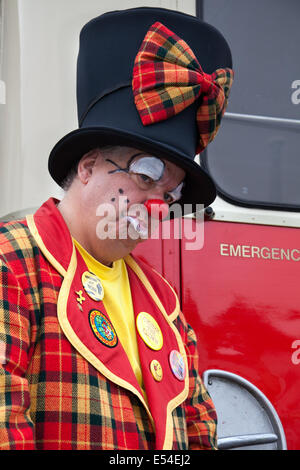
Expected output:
(103, 328)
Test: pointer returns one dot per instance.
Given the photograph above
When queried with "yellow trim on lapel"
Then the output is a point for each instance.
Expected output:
(34, 231)
(179, 399)
(139, 272)
(176, 310)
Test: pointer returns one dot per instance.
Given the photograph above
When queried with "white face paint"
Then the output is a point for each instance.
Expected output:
(149, 166)
(149, 171)
(177, 192)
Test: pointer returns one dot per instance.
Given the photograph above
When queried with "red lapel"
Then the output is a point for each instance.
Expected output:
(112, 356)
(159, 393)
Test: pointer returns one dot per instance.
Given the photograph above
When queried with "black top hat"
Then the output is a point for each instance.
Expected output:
(106, 109)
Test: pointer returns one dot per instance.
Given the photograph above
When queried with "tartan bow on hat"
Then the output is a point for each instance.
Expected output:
(167, 78)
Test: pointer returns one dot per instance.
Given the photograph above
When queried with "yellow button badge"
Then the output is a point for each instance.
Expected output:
(156, 370)
(149, 331)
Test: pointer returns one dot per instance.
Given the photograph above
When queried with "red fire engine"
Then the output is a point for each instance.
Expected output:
(240, 293)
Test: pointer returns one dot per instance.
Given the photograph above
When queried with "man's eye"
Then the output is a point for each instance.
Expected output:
(146, 178)
(168, 198)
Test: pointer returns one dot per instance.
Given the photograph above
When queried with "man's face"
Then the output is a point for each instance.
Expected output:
(118, 183)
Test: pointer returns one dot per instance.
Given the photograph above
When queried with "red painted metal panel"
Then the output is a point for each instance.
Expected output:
(151, 251)
(243, 300)
(241, 294)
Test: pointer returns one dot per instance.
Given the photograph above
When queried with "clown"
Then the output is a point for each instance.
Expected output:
(98, 353)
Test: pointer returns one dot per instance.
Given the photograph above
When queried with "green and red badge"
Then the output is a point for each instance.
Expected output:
(103, 328)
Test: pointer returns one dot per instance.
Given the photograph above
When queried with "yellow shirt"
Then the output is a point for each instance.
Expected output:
(118, 304)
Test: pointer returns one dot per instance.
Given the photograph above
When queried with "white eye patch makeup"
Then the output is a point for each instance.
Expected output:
(177, 192)
(150, 166)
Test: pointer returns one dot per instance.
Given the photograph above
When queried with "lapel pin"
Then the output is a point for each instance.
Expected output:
(177, 365)
(80, 297)
(156, 370)
(103, 328)
(92, 286)
(149, 331)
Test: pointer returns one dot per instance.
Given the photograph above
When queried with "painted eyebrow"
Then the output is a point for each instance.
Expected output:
(128, 163)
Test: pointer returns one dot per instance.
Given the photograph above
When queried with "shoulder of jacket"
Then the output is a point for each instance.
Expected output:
(15, 237)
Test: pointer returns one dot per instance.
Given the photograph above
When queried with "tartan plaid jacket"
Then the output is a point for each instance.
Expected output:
(63, 389)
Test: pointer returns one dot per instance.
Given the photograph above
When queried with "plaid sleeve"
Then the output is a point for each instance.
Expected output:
(16, 427)
(201, 417)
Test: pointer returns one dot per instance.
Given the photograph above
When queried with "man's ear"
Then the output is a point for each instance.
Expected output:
(86, 165)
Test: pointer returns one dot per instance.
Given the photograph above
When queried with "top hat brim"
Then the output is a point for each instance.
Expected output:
(198, 189)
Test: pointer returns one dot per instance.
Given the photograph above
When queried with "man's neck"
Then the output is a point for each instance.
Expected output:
(106, 251)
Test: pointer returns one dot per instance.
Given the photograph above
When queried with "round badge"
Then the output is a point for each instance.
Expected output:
(149, 331)
(156, 370)
(92, 286)
(103, 329)
(177, 364)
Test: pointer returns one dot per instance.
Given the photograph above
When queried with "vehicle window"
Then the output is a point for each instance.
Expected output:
(255, 158)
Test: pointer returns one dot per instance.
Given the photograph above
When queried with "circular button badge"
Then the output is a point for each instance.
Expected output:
(149, 331)
(103, 328)
(92, 286)
(177, 365)
(156, 370)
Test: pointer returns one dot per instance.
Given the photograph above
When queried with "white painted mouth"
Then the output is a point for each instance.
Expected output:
(138, 226)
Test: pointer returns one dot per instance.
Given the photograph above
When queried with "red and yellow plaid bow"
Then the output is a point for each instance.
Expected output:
(167, 78)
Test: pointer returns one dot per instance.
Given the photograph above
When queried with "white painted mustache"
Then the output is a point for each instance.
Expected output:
(142, 230)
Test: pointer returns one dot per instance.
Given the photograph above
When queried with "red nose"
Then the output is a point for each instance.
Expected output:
(157, 208)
